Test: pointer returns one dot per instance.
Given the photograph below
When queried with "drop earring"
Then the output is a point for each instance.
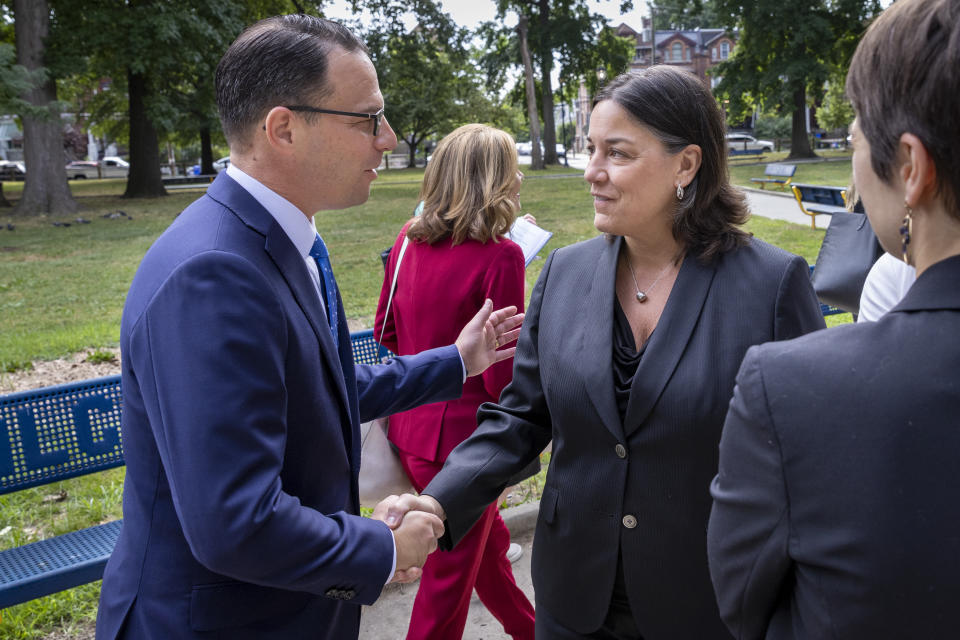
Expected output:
(679, 192)
(906, 228)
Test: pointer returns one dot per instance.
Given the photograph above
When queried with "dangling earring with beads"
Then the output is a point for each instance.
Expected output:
(679, 192)
(906, 227)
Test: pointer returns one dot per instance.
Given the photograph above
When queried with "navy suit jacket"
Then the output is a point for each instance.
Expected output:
(637, 487)
(836, 508)
(240, 433)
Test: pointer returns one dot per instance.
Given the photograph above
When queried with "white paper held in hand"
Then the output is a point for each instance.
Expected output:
(530, 237)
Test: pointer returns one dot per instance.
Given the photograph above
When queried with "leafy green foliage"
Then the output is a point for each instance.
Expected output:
(685, 14)
(786, 50)
(836, 111)
(427, 78)
(770, 125)
(15, 79)
(565, 33)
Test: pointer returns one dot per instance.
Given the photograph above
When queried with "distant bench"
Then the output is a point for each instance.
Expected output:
(816, 200)
(779, 174)
(61, 432)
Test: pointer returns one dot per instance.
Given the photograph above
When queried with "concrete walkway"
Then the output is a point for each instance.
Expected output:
(387, 619)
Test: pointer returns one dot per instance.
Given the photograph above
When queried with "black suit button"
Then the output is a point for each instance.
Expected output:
(621, 450)
(349, 594)
(334, 593)
(629, 522)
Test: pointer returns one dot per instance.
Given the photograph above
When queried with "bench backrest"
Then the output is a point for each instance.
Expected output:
(780, 170)
(821, 194)
(59, 432)
(55, 433)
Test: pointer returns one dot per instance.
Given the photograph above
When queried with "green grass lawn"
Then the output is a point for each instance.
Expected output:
(62, 290)
(836, 172)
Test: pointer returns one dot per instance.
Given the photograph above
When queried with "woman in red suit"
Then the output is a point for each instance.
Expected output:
(457, 257)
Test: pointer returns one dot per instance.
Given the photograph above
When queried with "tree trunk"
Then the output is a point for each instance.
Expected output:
(45, 188)
(3, 198)
(800, 143)
(144, 180)
(536, 159)
(206, 152)
(546, 86)
(412, 151)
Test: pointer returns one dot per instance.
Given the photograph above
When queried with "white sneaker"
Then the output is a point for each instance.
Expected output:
(514, 551)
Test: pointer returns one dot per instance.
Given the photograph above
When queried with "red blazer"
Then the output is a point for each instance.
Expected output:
(439, 288)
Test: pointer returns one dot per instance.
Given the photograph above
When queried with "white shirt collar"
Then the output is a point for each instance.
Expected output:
(295, 224)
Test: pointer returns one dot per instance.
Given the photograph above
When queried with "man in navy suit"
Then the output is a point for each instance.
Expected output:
(241, 400)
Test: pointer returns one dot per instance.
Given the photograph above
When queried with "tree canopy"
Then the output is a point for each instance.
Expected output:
(786, 51)
(565, 33)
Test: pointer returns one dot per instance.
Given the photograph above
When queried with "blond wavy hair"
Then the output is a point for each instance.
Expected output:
(468, 188)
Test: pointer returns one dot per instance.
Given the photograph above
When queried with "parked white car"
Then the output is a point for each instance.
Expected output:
(741, 142)
(109, 167)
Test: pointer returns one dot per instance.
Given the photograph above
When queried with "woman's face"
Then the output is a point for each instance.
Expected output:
(882, 202)
(632, 176)
(515, 189)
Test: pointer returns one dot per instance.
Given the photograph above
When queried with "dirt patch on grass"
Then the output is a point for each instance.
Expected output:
(71, 369)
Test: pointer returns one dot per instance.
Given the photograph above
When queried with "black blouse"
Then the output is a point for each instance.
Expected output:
(626, 358)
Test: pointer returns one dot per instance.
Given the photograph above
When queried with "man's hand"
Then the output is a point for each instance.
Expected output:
(416, 538)
(486, 332)
(392, 508)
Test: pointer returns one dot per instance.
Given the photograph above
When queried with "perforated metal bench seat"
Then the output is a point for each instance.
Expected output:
(48, 566)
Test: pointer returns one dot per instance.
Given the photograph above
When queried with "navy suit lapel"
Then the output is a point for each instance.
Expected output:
(291, 265)
(596, 345)
(668, 342)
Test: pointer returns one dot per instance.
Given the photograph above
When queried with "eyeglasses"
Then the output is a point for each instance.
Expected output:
(376, 117)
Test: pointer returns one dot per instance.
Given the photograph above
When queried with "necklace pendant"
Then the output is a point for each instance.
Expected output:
(641, 296)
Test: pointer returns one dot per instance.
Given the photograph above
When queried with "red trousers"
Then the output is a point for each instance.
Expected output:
(449, 577)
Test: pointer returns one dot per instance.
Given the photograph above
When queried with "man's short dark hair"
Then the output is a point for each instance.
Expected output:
(905, 78)
(277, 61)
(679, 110)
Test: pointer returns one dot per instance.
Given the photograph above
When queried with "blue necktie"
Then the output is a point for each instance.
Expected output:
(319, 253)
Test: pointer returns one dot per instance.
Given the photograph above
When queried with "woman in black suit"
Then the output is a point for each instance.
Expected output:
(626, 362)
(836, 505)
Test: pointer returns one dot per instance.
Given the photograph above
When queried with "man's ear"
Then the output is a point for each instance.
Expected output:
(279, 128)
(917, 170)
(690, 158)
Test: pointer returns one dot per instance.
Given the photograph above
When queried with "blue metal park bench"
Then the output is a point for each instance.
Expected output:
(56, 433)
(778, 174)
(815, 199)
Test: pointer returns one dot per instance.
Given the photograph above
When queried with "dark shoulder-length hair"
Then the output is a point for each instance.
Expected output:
(679, 110)
(469, 187)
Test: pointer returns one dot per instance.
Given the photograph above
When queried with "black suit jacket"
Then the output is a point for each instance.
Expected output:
(641, 484)
(837, 508)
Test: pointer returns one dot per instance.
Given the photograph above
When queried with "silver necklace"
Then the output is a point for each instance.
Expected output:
(642, 295)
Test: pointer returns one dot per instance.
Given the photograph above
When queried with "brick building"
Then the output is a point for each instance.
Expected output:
(695, 50)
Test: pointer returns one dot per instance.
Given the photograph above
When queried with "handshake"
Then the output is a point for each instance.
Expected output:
(417, 524)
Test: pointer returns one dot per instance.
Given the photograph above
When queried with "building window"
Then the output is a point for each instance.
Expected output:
(713, 53)
(724, 50)
(646, 35)
(677, 54)
(638, 54)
